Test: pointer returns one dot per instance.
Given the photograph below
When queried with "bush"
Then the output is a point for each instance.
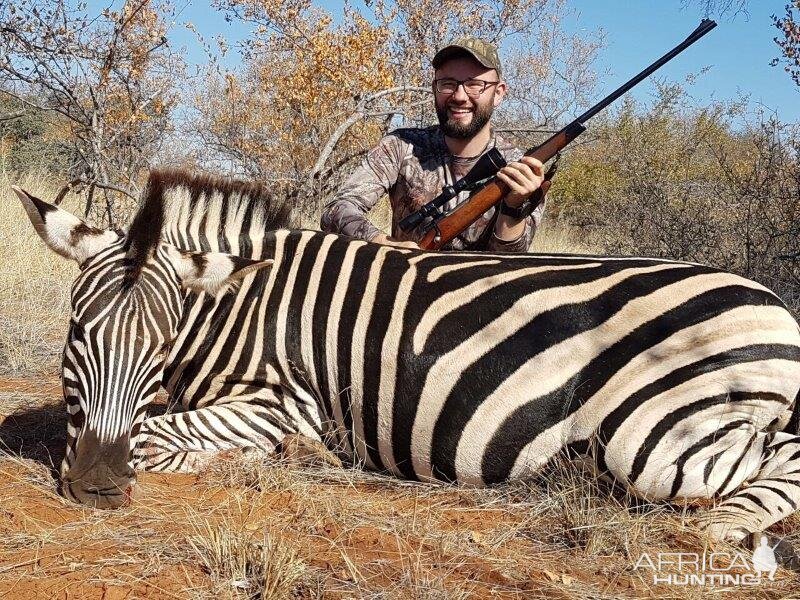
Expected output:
(28, 142)
(703, 185)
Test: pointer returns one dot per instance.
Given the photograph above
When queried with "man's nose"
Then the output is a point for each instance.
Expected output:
(460, 94)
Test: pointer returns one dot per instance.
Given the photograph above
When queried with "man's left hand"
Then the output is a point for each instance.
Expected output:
(524, 177)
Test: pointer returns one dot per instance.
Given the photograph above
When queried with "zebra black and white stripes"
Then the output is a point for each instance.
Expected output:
(681, 379)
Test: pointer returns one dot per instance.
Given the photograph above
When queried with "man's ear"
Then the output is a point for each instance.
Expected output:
(501, 89)
(63, 232)
(212, 272)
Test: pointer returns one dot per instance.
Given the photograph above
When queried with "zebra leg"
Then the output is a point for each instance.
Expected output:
(769, 495)
(189, 441)
(702, 441)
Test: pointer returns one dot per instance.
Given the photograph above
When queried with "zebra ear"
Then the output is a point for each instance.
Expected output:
(63, 232)
(212, 272)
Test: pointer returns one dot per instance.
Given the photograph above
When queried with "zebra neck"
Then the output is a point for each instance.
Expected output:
(239, 346)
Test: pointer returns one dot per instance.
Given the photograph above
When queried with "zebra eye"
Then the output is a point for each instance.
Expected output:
(76, 332)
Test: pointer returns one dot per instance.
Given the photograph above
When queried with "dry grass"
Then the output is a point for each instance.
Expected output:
(258, 528)
(559, 237)
(259, 566)
(34, 284)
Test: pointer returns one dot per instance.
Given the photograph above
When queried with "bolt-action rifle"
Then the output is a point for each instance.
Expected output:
(442, 227)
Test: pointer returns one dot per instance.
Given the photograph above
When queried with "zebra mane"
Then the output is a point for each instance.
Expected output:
(174, 198)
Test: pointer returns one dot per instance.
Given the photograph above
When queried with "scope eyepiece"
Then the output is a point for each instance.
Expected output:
(412, 221)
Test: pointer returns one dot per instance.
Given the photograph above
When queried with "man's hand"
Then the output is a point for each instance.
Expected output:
(523, 177)
(384, 239)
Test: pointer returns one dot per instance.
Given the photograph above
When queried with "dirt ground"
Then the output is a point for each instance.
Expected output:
(269, 530)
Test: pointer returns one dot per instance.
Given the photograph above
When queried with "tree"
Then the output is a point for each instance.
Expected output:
(28, 141)
(306, 82)
(789, 44)
(315, 94)
(108, 77)
(720, 7)
(719, 185)
(789, 26)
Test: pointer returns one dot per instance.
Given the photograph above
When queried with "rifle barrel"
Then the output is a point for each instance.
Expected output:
(705, 26)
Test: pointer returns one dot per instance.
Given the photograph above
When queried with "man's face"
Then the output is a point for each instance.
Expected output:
(460, 115)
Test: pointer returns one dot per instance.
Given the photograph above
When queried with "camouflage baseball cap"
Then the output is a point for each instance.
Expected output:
(482, 51)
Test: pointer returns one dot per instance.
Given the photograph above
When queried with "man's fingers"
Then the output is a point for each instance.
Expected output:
(513, 182)
(517, 174)
(519, 167)
(531, 169)
(523, 176)
(534, 164)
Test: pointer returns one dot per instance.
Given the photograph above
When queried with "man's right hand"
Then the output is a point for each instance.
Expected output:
(384, 239)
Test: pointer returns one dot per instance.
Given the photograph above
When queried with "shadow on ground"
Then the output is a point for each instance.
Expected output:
(37, 433)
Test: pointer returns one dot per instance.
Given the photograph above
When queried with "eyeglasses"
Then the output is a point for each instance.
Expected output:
(472, 87)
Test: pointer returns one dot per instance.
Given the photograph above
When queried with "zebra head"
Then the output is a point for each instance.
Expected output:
(122, 322)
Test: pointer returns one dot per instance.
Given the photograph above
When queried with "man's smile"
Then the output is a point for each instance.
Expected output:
(460, 113)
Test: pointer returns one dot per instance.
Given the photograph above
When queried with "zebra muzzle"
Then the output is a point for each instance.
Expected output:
(108, 492)
(100, 475)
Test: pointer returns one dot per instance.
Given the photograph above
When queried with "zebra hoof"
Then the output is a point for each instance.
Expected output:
(726, 532)
(785, 554)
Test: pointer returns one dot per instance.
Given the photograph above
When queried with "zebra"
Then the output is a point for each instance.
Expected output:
(677, 380)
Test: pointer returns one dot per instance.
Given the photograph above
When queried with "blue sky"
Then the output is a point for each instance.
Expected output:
(737, 52)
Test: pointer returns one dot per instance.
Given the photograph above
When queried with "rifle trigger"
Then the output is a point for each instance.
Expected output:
(438, 237)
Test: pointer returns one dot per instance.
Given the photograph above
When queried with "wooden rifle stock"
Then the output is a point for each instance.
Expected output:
(488, 196)
(450, 225)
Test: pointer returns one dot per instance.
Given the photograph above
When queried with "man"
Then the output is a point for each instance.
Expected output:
(413, 165)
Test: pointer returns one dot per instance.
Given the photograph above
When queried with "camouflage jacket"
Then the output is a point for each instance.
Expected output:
(412, 166)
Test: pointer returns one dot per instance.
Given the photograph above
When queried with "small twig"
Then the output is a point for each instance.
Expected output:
(13, 115)
(66, 189)
(110, 186)
(94, 183)
(27, 562)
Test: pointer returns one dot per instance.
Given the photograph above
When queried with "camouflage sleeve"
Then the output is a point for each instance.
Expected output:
(523, 242)
(347, 212)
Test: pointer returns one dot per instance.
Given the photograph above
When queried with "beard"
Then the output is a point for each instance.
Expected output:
(464, 131)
